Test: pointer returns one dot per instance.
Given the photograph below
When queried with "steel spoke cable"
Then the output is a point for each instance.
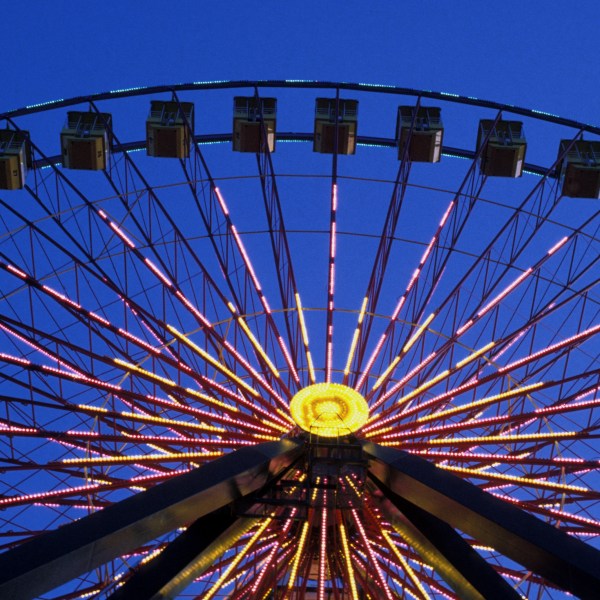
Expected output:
(233, 414)
(240, 308)
(129, 246)
(512, 221)
(451, 214)
(202, 319)
(369, 306)
(132, 305)
(474, 383)
(286, 279)
(552, 305)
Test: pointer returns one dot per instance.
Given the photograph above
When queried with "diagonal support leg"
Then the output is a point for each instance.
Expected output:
(440, 546)
(186, 557)
(61, 555)
(565, 561)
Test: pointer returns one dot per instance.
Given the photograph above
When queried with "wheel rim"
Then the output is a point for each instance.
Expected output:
(110, 282)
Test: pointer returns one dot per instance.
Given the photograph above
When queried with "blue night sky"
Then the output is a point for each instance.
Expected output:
(537, 54)
(540, 55)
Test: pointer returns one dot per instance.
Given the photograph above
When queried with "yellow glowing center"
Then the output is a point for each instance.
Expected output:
(329, 409)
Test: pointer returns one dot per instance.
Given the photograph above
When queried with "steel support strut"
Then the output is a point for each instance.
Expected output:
(561, 559)
(440, 546)
(61, 555)
(186, 557)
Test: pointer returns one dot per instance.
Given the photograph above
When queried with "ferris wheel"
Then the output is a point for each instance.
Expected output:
(297, 339)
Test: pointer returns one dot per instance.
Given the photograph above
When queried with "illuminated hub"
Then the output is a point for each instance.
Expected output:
(329, 409)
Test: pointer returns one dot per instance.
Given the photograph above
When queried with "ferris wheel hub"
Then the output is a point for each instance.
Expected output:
(329, 409)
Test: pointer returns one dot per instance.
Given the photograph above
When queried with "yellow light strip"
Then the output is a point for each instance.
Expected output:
(413, 577)
(172, 384)
(139, 457)
(257, 345)
(210, 399)
(361, 316)
(348, 560)
(354, 488)
(315, 491)
(424, 387)
(161, 450)
(99, 409)
(311, 368)
(418, 333)
(234, 563)
(213, 361)
(162, 420)
(298, 556)
(522, 437)
(151, 555)
(149, 418)
(406, 348)
(301, 319)
(475, 355)
(560, 487)
(483, 402)
(384, 375)
(131, 367)
(352, 351)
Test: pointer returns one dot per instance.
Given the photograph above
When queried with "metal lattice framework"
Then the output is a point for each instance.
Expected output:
(157, 316)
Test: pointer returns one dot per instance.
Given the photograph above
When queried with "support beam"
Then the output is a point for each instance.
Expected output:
(186, 557)
(561, 559)
(59, 556)
(441, 547)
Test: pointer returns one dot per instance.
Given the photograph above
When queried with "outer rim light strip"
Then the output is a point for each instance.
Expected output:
(370, 362)
(254, 278)
(581, 336)
(42, 350)
(409, 287)
(53, 494)
(213, 361)
(507, 290)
